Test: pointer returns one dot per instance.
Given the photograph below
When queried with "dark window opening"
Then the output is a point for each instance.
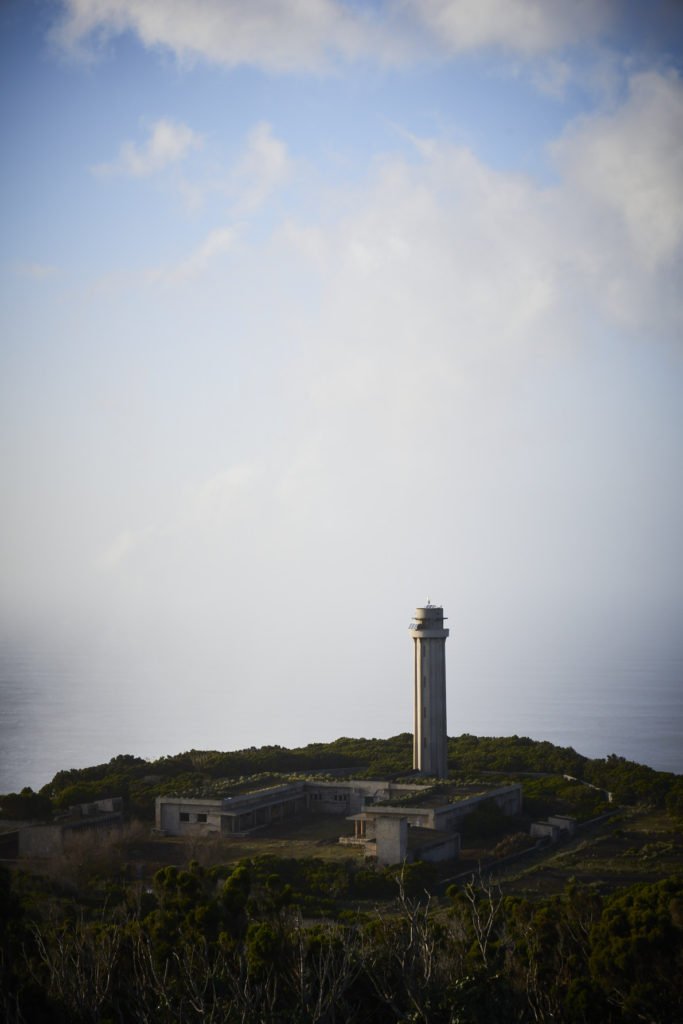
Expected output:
(184, 816)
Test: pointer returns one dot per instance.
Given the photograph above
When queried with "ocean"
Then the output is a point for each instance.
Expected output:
(55, 715)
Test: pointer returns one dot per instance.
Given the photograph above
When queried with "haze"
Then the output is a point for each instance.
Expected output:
(311, 313)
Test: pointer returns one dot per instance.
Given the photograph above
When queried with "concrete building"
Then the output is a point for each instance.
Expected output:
(392, 822)
(396, 842)
(559, 826)
(98, 819)
(430, 750)
(431, 817)
(246, 812)
(564, 822)
(545, 830)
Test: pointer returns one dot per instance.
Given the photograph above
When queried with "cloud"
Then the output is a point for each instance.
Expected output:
(628, 165)
(168, 142)
(527, 27)
(264, 166)
(443, 269)
(277, 35)
(216, 243)
(430, 384)
(446, 235)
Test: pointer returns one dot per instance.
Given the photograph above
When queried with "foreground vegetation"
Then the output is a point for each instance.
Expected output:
(590, 932)
(233, 945)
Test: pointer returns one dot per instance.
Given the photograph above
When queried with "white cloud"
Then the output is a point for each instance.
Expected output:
(524, 26)
(271, 34)
(264, 166)
(627, 166)
(168, 142)
(278, 35)
(217, 243)
(445, 263)
(436, 242)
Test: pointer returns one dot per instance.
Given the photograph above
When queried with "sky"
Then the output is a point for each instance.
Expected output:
(313, 312)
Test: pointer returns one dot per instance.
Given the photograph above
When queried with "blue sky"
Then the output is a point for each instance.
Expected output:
(313, 312)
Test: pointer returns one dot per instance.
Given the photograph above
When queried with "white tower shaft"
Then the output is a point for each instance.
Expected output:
(430, 751)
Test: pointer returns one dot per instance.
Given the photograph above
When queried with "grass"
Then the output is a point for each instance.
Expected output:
(640, 845)
(305, 837)
(644, 846)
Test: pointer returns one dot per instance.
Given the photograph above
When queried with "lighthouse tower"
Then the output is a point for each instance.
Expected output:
(430, 755)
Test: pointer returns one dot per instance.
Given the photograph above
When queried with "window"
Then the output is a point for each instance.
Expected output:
(184, 816)
(201, 817)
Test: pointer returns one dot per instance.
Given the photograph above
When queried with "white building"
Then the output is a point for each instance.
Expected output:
(416, 820)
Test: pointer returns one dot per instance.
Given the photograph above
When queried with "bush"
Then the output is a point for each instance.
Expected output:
(24, 806)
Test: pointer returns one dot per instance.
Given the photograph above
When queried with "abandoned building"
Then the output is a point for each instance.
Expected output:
(554, 828)
(97, 820)
(392, 822)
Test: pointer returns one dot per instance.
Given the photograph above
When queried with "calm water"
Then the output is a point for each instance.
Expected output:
(68, 716)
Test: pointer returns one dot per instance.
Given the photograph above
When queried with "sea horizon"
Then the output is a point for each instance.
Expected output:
(48, 724)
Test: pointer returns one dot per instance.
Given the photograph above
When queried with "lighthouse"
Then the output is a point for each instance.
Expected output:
(430, 754)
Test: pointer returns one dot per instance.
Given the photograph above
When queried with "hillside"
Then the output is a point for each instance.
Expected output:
(285, 926)
(138, 781)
